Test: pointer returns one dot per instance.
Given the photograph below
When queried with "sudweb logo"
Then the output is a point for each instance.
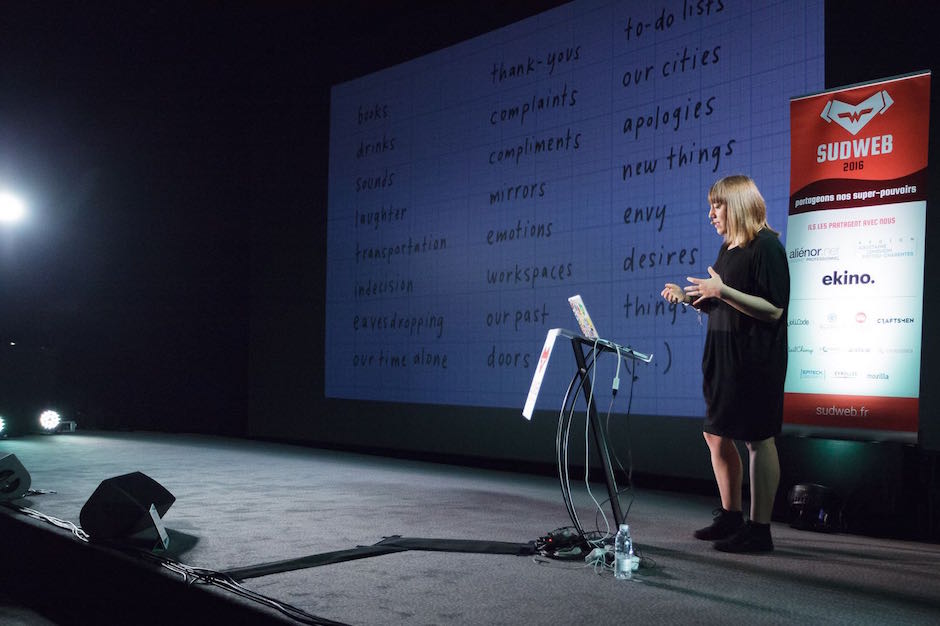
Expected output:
(854, 117)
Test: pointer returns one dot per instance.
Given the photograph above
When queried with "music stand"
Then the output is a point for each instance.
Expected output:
(578, 342)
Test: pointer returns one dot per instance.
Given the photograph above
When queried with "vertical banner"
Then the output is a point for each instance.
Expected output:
(855, 243)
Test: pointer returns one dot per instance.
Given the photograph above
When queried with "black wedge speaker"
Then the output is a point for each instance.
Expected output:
(14, 479)
(120, 506)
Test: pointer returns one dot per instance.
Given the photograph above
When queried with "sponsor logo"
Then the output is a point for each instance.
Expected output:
(895, 320)
(847, 279)
(798, 322)
(878, 376)
(801, 348)
(886, 248)
(814, 254)
(845, 374)
(860, 317)
(854, 117)
(832, 321)
(810, 373)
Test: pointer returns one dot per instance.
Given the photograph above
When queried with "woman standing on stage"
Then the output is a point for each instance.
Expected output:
(745, 359)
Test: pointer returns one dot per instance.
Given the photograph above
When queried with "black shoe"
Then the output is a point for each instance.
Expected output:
(751, 538)
(725, 524)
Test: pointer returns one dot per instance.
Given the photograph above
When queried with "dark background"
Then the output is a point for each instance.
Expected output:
(171, 275)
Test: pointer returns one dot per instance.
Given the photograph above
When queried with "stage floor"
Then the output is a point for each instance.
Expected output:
(241, 503)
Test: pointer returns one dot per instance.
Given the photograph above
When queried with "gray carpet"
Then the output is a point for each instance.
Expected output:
(241, 503)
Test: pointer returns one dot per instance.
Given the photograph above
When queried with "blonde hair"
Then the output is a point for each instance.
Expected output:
(745, 209)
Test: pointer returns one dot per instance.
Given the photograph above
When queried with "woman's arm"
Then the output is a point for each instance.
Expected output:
(713, 287)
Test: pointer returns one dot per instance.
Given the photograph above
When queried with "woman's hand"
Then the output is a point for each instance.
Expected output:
(704, 288)
(673, 293)
(713, 287)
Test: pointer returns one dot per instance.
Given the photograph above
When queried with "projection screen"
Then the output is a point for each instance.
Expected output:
(473, 190)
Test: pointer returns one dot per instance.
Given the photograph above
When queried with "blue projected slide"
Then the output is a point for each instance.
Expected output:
(473, 190)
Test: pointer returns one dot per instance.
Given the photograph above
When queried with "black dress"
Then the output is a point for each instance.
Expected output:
(745, 359)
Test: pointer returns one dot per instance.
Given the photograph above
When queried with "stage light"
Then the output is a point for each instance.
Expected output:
(52, 422)
(49, 420)
(3, 427)
(11, 208)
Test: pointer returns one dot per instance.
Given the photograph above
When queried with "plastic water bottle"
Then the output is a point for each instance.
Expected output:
(623, 554)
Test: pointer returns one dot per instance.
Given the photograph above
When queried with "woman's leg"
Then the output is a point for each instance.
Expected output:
(726, 463)
(765, 476)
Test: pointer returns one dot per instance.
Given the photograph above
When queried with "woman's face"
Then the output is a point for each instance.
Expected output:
(717, 214)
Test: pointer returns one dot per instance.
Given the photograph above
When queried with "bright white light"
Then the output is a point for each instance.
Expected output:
(11, 208)
(2, 424)
(49, 420)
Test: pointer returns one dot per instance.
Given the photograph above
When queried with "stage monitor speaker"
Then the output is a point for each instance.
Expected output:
(121, 506)
(14, 479)
(814, 507)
